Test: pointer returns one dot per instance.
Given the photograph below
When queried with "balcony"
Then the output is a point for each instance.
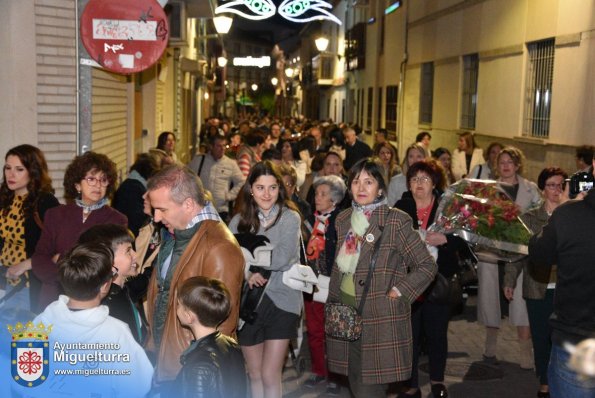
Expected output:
(323, 68)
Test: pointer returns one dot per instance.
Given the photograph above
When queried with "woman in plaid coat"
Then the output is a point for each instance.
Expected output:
(404, 269)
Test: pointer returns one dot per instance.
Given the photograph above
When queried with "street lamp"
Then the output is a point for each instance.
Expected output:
(274, 81)
(222, 23)
(221, 61)
(289, 72)
(254, 86)
(321, 43)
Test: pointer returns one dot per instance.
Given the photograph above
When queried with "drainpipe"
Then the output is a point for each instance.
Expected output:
(402, 74)
(83, 88)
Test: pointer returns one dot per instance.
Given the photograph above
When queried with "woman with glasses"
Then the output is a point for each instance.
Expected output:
(526, 195)
(26, 194)
(539, 282)
(88, 183)
(398, 183)
(426, 182)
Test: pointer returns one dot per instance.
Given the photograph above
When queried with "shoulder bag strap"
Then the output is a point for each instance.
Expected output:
(202, 161)
(369, 277)
(479, 171)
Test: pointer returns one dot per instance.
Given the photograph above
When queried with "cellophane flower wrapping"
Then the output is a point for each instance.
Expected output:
(482, 213)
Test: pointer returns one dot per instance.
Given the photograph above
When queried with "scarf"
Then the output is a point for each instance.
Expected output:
(317, 239)
(89, 208)
(265, 220)
(350, 249)
(135, 175)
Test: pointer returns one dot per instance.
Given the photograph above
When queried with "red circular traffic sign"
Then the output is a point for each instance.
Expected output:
(124, 36)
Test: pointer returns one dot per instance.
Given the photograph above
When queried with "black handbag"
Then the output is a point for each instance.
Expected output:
(251, 298)
(439, 290)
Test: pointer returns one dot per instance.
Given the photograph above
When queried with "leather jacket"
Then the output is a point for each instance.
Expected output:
(212, 252)
(212, 367)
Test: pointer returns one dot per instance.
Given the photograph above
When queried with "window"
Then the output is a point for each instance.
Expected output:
(369, 114)
(390, 114)
(469, 97)
(379, 109)
(426, 93)
(539, 88)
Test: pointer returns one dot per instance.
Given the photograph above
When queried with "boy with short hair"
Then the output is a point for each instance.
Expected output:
(78, 317)
(213, 365)
(121, 300)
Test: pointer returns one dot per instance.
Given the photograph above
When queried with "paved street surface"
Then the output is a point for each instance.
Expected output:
(467, 376)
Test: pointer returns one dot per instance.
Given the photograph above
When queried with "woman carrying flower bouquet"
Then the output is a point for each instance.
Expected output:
(426, 181)
(526, 196)
(403, 270)
(539, 282)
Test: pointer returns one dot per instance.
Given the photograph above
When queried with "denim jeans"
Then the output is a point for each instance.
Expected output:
(564, 382)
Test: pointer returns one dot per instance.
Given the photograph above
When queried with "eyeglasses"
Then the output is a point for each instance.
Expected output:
(553, 186)
(115, 271)
(420, 180)
(289, 184)
(92, 181)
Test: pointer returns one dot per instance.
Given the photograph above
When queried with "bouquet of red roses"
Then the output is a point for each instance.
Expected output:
(482, 213)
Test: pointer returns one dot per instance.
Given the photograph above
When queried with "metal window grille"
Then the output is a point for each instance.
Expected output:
(426, 95)
(391, 108)
(539, 88)
(379, 109)
(469, 97)
(370, 103)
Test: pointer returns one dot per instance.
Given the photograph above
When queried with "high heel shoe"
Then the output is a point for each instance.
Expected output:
(439, 390)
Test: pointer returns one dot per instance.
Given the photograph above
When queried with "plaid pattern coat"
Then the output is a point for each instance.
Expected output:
(403, 262)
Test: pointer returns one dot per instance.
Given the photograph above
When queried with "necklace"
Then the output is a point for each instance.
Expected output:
(424, 213)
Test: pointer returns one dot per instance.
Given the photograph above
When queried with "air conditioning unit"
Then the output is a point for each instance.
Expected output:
(176, 10)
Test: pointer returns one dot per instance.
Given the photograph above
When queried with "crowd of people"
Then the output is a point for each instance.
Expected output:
(161, 257)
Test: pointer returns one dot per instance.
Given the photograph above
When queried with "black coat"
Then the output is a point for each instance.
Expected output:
(213, 367)
(128, 200)
(448, 261)
(353, 154)
(123, 308)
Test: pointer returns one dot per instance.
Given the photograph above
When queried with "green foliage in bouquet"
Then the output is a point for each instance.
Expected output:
(483, 208)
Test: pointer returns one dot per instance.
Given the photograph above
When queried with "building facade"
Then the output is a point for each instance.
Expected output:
(521, 72)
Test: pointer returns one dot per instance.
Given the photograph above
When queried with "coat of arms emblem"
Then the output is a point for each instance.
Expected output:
(29, 350)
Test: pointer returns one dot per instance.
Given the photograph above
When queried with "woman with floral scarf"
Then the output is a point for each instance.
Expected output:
(320, 253)
(403, 270)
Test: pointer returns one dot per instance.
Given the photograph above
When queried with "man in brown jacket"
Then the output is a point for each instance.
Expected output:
(196, 243)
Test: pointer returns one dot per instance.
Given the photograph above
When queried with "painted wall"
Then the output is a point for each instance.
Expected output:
(18, 113)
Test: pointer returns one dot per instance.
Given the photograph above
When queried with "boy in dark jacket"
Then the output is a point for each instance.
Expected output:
(213, 365)
(121, 300)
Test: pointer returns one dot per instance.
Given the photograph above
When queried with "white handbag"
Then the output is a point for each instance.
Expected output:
(321, 293)
(299, 276)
